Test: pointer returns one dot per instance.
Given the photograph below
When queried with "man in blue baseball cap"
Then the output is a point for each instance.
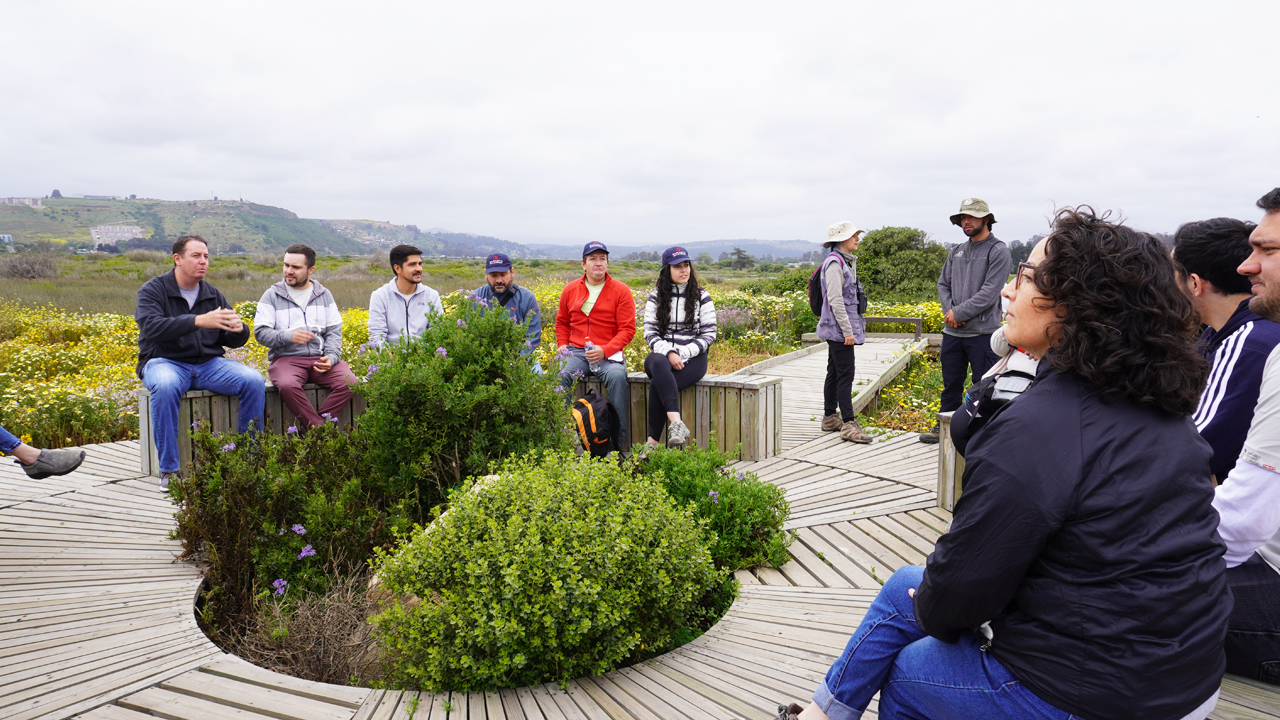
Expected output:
(500, 289)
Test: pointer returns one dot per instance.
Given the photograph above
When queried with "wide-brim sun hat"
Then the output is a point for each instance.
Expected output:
(839, 232)
(973, 207)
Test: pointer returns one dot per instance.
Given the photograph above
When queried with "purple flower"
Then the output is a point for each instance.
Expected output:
(333, 419)
(742, 475)
(715, 496)
(195, 425)
(306, 552)
(292, 430)
(324, 415)
(442, 352)
(280, 585)
(298, 529)
(228, 447)
(281, 529)
(559, 389)
(462, 323)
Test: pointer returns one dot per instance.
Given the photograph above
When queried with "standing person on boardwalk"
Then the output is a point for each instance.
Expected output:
(500, 290)
(679, 327)
(299, 323)
(969, 288)
(841, 325)
(1236, 340)
(595, 321)
(1248, 501)
(184, 328)
(400, 308)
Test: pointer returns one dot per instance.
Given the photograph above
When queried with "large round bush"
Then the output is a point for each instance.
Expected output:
(554, 569)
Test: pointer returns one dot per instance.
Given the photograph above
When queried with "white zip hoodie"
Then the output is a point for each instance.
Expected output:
(391, 315)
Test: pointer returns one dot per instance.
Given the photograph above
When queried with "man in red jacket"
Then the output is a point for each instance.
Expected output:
(596, 320)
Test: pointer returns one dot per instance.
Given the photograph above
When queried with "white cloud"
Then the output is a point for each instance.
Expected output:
(667, 122)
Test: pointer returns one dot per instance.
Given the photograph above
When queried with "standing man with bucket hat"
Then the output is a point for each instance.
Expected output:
(969, 289)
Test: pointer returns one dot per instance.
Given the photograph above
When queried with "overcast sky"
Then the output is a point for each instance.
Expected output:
(651, 123)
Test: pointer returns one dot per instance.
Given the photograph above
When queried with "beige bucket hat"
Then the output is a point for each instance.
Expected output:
(973, 207)
(839, 232)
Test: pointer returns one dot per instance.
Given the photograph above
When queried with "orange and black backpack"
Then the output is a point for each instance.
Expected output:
(596, 422)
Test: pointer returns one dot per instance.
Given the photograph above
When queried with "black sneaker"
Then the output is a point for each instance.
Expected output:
(931, 437)
(54, 462)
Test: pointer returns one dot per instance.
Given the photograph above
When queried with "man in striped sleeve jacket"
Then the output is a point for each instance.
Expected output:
(1236, 339)
(299, 322)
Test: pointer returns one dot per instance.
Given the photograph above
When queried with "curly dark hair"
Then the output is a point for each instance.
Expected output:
(692, 299)
(1128, 330)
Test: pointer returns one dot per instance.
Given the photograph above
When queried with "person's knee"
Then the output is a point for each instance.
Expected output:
(650, 362)
(907, 577)
(161, 380)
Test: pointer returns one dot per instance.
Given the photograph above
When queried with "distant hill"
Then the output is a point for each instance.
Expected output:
(757, 248)
(228, 225)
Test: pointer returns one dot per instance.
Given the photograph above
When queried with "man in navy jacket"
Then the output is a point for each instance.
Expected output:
(1236, 339)
(500, 289)
(184, 326)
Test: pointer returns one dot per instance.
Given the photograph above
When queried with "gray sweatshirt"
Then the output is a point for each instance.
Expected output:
(970, 285)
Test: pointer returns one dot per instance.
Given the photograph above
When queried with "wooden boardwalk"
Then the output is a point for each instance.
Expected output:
(96, 618)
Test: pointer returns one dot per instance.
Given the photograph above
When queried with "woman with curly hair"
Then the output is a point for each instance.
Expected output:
(679, 326)
(1082, 574)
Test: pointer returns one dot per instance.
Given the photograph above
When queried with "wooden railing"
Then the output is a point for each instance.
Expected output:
(950, 465)
(732, 410)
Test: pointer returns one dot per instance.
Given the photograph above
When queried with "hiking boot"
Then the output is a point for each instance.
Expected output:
(852, 432)
(931, 437)
(789, 712)
(54, 462)
(677, 434)
(832, 423)
(166, 478)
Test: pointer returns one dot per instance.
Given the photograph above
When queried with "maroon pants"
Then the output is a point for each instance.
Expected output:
(289, 374)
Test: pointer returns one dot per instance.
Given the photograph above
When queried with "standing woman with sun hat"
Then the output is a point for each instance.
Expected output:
(679, 326)
(841, 325)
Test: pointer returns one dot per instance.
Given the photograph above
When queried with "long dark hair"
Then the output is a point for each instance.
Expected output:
(692, 299)
(1127, 329)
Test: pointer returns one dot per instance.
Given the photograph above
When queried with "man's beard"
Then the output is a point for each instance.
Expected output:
(296, 282)
(1268, 306)
(498, 288)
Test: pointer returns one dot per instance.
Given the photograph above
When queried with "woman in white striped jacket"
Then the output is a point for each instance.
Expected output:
(678, 332)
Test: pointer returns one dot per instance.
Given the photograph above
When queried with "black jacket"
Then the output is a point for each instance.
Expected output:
(167, 327)
(1086, 535)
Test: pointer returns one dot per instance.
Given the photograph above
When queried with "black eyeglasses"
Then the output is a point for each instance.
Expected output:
(1017, 279)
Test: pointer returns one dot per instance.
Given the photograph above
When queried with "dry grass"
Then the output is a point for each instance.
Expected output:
(723, 359)
(325, 638)
(29, 266)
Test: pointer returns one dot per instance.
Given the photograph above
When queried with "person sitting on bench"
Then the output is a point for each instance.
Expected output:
(679, 326)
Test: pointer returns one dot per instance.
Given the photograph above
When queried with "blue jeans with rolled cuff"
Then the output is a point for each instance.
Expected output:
(8, 442)
(918, 676)
(168, 380)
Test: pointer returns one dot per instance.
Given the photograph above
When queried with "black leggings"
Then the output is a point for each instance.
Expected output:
(838, 388)
(665, 384)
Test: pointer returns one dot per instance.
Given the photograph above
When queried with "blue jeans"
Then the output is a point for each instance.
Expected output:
(169, 380)
(8, 442)
(614, 377)
(918, 676)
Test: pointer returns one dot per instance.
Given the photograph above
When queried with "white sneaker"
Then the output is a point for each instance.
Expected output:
(677, 434)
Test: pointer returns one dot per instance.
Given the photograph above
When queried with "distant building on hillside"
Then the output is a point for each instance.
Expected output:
(29, 202)
(96, 197)
(115, 234)
(6, 239)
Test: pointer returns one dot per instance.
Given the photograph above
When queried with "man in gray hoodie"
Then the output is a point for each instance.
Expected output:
(400, 308)
(969, 288)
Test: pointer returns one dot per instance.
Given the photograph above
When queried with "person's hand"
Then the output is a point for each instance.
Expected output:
(677, 362)
(911, 592)
(220, 319)
(595, 354)
(850, 340)
(323, 365)
(301, 336)
(951, 319)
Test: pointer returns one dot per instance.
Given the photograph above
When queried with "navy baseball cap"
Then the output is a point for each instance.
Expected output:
(674, 256)
(594, 246)
(497, 262)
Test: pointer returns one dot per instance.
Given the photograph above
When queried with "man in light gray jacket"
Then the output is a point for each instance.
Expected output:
(969, 288)
(299, 323)
(400, 308)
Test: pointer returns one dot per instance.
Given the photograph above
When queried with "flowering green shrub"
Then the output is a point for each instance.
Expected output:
(444, 405)
(554, 569)
(745, 513)
(279, 515)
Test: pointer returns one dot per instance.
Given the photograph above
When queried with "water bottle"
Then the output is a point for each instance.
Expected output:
(595, 367)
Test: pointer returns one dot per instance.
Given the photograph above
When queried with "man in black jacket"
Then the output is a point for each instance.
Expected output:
(184, 326)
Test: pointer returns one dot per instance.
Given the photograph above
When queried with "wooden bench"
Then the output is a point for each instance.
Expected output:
(222, 412)
(746, 410)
